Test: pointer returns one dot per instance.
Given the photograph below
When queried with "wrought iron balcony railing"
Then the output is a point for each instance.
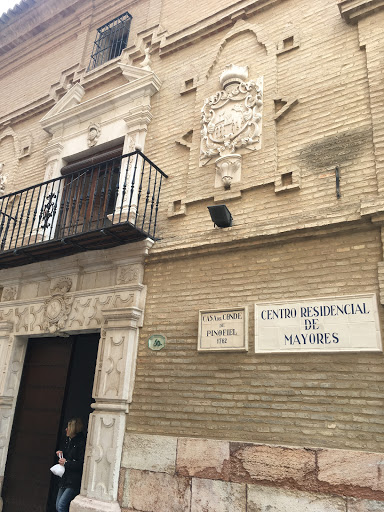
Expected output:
(111, 203)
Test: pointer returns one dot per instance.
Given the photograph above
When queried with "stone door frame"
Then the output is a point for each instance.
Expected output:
(72, 307)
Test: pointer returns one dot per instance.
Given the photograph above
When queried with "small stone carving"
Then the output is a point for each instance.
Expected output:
(127, 275)
(123, 299)
(62, 286)
(94, 131)
(231, 123)
(9, 293)
(86, 311)
(37, 317)
(21, 320)
(57, 310)
(3, 179)
(227, 168)
(58, 307)
(146, 64)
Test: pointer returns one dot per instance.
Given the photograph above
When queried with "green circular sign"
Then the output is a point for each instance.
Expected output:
(156, 341)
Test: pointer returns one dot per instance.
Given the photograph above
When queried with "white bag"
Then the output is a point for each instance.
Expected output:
(58, 470)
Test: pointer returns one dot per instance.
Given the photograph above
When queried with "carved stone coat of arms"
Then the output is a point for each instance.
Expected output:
(231, 122)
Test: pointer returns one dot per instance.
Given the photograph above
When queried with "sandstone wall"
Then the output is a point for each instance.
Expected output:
(169, 474)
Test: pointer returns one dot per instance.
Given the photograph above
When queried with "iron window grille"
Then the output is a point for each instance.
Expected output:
(111, 39)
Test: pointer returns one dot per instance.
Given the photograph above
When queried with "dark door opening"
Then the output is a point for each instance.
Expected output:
(56, 385)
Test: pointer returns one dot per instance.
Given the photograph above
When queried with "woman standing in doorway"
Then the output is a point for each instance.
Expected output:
(72, 458)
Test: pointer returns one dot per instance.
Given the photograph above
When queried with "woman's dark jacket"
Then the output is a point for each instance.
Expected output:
(73, 452)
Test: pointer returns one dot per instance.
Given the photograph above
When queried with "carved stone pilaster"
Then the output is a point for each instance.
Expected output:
(136, 131)
(10, 166)
(112, 390)
(12, 353)
(3, 179)
(48, 202)
(103, 455)
(121, 348)
(53, 154)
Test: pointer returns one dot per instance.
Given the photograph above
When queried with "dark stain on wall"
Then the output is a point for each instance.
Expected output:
(336, 149)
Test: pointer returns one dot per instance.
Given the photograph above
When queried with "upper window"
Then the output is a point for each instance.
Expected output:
(111, 39)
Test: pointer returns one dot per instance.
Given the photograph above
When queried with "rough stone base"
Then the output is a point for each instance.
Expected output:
(168, 474)
(83, 504)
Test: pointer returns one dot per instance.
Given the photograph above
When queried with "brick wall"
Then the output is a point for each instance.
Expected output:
(330, 124)
(295, 244)
(331, 400)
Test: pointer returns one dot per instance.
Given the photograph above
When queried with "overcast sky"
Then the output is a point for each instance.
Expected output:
(7, 4)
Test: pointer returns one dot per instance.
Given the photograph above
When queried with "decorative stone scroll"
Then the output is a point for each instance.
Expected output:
(231, 123)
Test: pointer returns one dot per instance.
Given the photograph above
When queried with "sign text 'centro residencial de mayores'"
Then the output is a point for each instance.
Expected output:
(318, 325)
(223, 330)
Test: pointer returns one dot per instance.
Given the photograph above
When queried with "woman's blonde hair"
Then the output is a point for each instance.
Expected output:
(75, 425)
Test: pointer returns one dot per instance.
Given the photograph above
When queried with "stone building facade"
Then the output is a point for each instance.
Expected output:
(275, 109)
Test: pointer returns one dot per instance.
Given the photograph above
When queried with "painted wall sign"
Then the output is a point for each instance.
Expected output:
(156, 341)
(338, 324)
(223, 330)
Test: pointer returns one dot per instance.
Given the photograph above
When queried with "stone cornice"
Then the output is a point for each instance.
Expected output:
(185, 251)
(353, 10)
(221, 20)
(119, 317)
(27, 111)
(124, 288)
(100, 260)
(146, 85)
(20, 25)
(88, 80)
(14, 12)
(109, 70)
(283, 230)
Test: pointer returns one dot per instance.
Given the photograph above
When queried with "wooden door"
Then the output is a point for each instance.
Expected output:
(36, 424)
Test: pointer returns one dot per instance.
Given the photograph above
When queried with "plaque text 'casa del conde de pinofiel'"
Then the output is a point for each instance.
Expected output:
(223, 330)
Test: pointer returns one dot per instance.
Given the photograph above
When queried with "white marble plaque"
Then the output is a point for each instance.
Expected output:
(338, 324)
(223, 330)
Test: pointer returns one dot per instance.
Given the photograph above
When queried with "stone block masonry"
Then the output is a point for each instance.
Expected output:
(223, 476)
